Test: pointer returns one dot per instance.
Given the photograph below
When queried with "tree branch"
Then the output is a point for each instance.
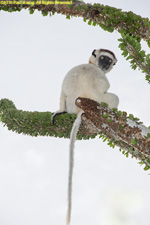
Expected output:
(115, 126)
(132, 27)
(38, 123)
(107, 17)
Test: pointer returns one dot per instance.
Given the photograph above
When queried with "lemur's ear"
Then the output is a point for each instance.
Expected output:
(93, 53)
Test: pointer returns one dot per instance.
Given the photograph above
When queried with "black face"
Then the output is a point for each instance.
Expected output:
(104, 62)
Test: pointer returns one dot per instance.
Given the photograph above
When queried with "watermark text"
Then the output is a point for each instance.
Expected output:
(52, 2)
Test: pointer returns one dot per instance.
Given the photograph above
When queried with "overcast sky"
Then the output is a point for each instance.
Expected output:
(108, 189)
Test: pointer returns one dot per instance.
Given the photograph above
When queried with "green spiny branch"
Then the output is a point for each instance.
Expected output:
(132, 50)
(132, 27)
(107, 17)
(37, 123)
(112, 125)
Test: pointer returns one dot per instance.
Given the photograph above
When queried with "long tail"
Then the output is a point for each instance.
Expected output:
(73, 134)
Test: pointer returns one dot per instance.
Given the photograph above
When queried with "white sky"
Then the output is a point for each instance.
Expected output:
(108, 189)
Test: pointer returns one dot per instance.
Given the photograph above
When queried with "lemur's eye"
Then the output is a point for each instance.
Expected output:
(102, 57)
(110, 60)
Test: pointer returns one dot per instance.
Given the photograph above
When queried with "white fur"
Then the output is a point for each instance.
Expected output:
(73, 134)
(86, 80)
(89, 81)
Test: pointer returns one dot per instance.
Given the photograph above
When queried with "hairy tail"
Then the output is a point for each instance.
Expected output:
(73, 134)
